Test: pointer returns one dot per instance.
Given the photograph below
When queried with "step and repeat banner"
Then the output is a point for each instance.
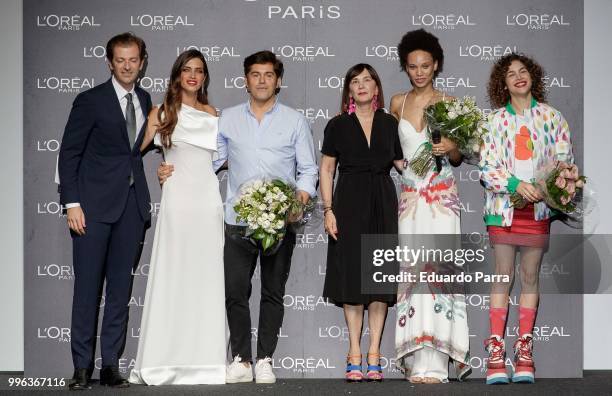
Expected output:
(64, 54)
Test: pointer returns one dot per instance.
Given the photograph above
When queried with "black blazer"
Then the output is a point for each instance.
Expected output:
(95, 159)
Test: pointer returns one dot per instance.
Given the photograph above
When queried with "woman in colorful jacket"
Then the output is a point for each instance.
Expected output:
(524, 136)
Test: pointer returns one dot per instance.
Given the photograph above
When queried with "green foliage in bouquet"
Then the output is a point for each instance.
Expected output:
(458, 120)
(267, 207)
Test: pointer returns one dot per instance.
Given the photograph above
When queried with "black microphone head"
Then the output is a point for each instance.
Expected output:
(436, 136)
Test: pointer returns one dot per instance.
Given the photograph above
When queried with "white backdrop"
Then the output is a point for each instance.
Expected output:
(11, 198)
(597, 60)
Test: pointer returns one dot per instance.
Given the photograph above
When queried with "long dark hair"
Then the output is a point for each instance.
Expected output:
(172, 101)
(354, 72)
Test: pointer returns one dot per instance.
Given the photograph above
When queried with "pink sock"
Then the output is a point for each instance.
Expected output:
(497, 320)
(526, 320)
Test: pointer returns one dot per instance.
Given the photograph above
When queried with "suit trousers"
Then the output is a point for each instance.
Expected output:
(107, 252)
(240, 260)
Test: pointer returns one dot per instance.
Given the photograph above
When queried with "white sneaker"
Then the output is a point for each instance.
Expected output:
(263, 372)
(238, 372)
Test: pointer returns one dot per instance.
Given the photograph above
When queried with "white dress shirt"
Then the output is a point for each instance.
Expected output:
(140, 118)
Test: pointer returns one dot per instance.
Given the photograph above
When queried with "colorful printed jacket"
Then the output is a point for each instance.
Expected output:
(551, 140)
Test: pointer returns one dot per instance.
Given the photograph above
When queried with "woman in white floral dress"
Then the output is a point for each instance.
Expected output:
(431, 325)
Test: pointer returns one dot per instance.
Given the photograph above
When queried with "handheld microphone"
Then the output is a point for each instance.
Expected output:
(436, 138)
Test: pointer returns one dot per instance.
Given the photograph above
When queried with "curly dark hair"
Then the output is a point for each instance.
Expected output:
(420, 40)
(497, 91)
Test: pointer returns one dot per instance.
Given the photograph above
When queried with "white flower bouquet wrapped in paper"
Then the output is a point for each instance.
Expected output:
(269, 206)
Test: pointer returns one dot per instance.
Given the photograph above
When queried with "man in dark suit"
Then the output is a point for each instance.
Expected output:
(103, 186)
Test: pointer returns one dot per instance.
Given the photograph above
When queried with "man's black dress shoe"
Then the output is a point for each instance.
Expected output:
(109, 376)
(80, 380)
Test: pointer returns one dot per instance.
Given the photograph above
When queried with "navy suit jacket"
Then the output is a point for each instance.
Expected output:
(95, 159)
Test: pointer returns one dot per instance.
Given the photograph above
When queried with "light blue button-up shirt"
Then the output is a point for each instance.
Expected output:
(279, 147)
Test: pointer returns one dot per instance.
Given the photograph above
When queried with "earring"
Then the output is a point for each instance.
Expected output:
(375, 102)
(351, 106)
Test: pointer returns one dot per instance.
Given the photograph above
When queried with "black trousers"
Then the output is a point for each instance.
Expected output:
(240, 260)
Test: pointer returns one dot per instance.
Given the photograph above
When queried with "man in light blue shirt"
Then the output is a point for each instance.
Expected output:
(259, 139)
(274, 141)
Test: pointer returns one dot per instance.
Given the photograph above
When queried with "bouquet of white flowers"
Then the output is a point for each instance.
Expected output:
(268, 207)
(459, 120)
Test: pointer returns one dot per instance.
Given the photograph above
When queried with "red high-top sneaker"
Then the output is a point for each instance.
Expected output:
(523, 357)
(496, 365)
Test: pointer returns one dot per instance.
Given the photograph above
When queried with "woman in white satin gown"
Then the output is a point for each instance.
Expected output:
(182, 333)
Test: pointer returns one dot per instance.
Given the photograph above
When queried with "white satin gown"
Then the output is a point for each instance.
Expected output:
(182, 333)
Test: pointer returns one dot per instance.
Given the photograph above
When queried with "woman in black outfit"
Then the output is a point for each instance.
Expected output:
(363, 141)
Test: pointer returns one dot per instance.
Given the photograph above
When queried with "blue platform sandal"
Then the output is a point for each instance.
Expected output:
(353, 371)
(375, 372)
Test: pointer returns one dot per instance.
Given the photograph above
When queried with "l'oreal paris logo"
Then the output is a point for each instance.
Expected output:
(442, 21)
(211, 53)
(536, 21)
(65, 84)
(305, 303)
(66, 22)
(160, 22)
(302, 365)
(302, 53)
(486, 52)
